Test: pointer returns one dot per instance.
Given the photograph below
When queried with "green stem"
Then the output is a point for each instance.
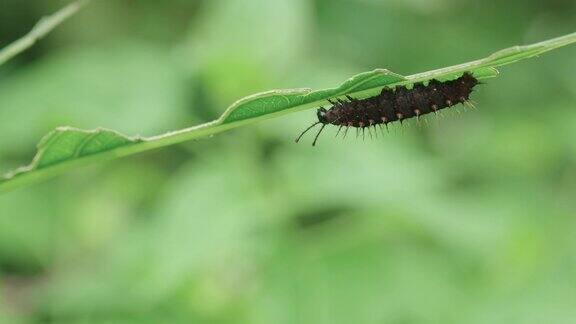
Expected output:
(40, 30)
(298, 99)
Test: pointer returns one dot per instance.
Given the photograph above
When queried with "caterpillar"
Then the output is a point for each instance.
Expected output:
(394, 104)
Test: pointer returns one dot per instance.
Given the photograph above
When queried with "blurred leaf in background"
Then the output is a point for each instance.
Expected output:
(469, 219)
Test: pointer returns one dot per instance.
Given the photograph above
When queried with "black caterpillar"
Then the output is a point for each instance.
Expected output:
(395, 104)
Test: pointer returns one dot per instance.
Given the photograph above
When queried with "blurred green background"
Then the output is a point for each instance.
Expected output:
(470, 219)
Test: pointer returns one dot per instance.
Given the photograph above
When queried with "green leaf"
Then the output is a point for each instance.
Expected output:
(66, 148)
(68, 143)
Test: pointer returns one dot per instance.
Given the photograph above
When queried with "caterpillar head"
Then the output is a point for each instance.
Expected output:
(322, 117)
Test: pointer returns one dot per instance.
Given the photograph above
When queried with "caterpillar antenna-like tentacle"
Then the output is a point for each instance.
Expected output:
(317, 135)
(306, 130)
